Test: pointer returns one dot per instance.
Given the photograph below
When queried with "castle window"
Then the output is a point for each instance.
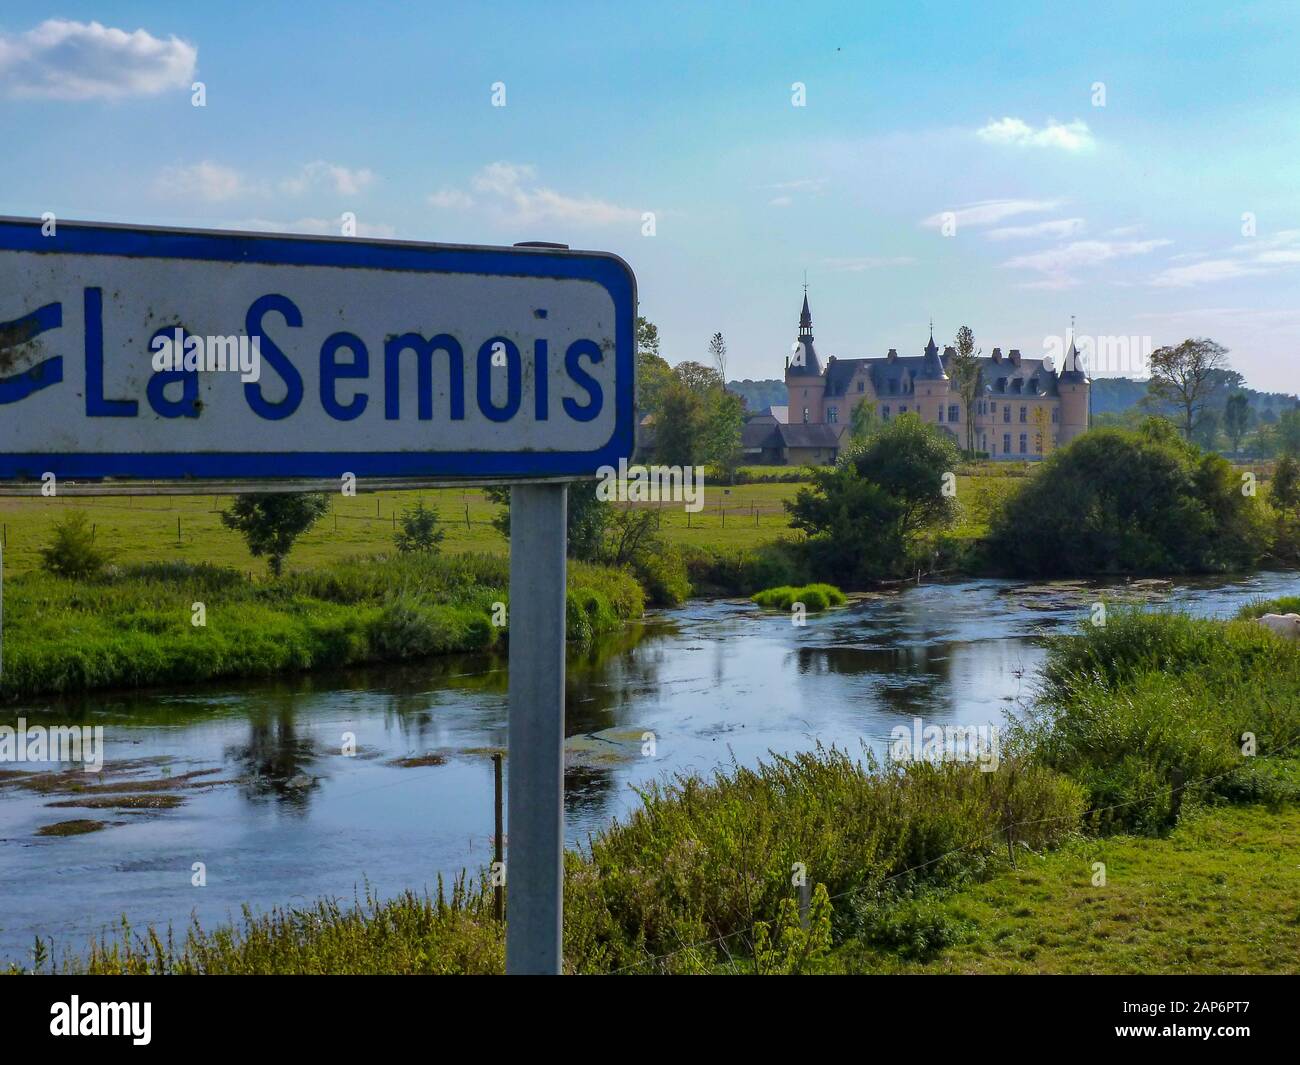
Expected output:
(1024, 414)
(993, 408)
(954, 413)
(1024, 443)
(832, 414)
(884, 413)
(941, 412)
(1006, 412)
(805, 415)
(902, 409)
(1006, 443)
(1056, 415)
(862, 386)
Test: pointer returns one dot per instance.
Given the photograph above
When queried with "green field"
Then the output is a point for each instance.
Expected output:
(188, 528)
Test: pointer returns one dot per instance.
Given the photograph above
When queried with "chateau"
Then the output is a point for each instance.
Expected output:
(1024, 411)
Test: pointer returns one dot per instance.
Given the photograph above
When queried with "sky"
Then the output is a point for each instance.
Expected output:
(1001, 166)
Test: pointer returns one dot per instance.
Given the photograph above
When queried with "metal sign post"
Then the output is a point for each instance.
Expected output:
(149, 361)
(535, 830)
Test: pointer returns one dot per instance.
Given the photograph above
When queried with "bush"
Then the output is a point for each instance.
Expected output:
(743, 571)
(1127, 707)
(271, 523)
(419, 530)
(73, 553)
(815, 597)
(1115, 501)
(863, 517)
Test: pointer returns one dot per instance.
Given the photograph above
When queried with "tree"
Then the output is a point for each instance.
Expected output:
(419, 530)
(863, 421)
(588, 515)
(718, 353)
(1284, 492)
(1115, 501)
(271, 523)
(652, 371)
(864, 515)
(1042, 431)
(724, 423)
(73, 553)
(1206, 433)
(1185, 377)
(1237, 417)
(965, 374)
(1288, 433)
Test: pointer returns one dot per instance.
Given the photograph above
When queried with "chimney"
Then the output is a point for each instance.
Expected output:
(997, 354)
(1014, 356)
(893, 354)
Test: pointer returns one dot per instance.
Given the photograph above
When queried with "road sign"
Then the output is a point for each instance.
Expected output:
(304, 357)
(147, 355)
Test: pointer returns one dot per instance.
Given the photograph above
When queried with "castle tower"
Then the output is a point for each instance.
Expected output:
(931, 384)
(803, 372)
(1075, 389)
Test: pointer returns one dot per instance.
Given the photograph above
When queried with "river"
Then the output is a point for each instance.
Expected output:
(294, 789)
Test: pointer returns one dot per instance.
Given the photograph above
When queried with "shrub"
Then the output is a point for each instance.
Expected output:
(1127, 707)
(1115, 501)
(863, 516)
(419, 530)
(271, 523)
(815, 597)
(72, 553)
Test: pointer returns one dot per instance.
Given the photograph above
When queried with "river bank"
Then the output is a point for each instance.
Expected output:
(280, 815)
(183, 623)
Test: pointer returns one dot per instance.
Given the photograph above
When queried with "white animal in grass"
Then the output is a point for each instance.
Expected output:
(1287, 625)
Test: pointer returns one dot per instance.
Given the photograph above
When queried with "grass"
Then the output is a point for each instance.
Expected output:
(135, 628)
(815, 597)
(1216, 896)
(144, 529)
(700, 862)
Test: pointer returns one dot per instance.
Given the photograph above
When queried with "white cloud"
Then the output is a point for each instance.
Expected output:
(868, 262)
(1068, 136)
(987, 212)
(329, 227)
(510, 191)
(65, 60)
(451, 198)
(1058, 264)
(344, 181)
(1084, 253)
(1261, 255)
(1202, 273)
(780, 201)
(206, 181)
(1060, 229)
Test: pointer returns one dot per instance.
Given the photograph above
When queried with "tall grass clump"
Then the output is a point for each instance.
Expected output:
(702, 871)
(1131, 708)
(814, 597)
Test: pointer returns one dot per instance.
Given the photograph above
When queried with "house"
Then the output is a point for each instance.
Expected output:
(1024, 409)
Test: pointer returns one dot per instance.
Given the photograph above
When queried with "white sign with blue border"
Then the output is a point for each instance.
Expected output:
(136, 353)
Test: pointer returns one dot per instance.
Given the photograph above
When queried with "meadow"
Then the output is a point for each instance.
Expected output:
(189, 529)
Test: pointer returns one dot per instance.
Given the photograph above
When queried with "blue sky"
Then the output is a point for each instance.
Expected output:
(1128, 215)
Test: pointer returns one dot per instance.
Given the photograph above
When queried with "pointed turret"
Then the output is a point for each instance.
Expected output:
(804, 361)
(932, 367)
